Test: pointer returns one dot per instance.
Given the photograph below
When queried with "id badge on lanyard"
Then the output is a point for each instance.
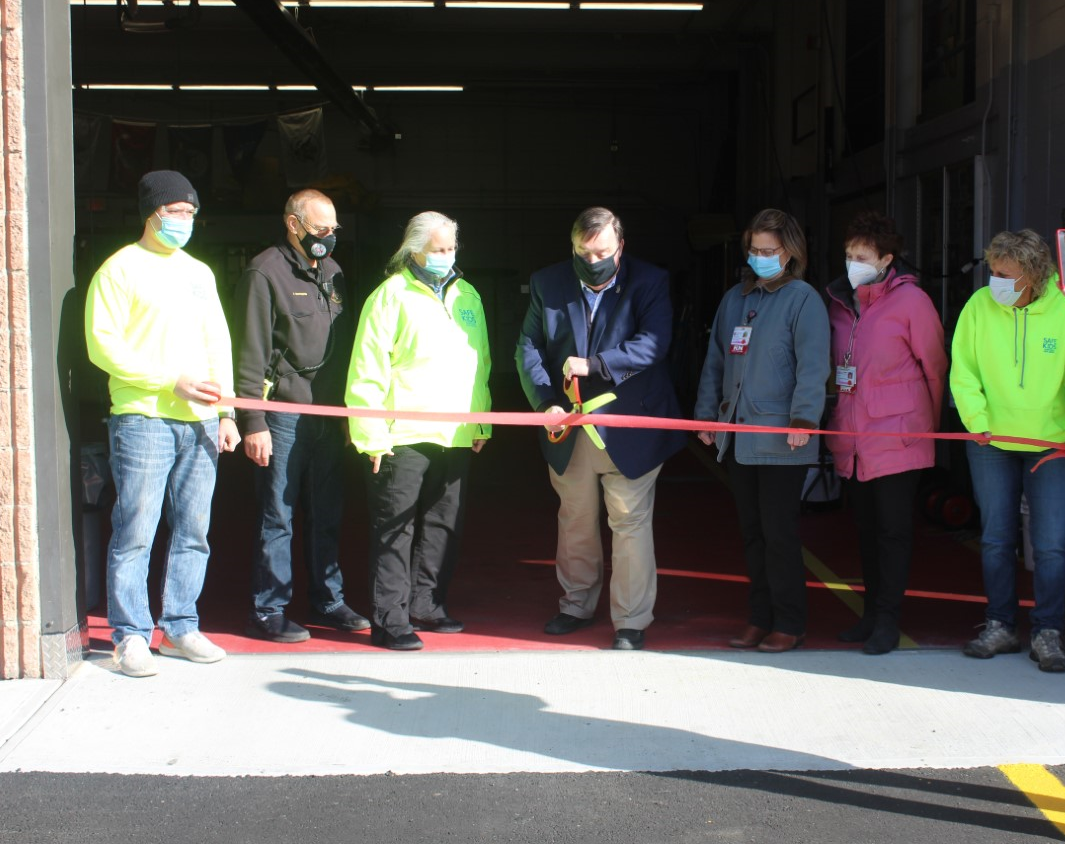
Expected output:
(741, 339)
(847, 375)
(846, 378)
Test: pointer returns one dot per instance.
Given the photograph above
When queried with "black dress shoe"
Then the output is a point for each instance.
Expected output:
(342, 618)
(403, 642)
(275, 628)
(437, 625)
(627, 639)
(884, 638)
(859, 632)
(564, 623)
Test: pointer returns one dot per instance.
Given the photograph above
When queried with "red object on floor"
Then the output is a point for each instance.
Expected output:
(505, 587)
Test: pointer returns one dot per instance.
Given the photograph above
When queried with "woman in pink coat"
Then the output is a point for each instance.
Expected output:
(889, 368)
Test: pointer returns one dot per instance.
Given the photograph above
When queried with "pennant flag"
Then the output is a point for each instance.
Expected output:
(190, 155)
(132, 152)
(242, 142)
(87, 128)
(302, 147)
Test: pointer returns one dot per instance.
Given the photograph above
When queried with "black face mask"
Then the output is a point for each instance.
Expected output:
(318, 248)
(595, 274)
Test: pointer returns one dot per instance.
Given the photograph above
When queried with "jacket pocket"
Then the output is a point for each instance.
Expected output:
(892, 399)
(891, 409)
(771, 407)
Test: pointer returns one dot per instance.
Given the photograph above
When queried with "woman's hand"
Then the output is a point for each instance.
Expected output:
(706, 437)
(798, 440)
(375, 460)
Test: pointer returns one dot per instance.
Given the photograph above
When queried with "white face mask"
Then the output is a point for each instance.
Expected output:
(1003, 292)
(859, 273)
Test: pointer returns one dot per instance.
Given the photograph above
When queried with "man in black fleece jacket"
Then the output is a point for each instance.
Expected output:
(293, 335)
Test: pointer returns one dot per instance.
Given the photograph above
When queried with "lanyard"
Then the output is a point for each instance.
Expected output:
(850, 342)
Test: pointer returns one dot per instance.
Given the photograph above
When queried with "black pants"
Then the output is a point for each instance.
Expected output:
(417, 502)
(883, 511)
(768, 499)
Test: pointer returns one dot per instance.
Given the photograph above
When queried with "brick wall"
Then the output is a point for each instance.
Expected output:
(20, 622)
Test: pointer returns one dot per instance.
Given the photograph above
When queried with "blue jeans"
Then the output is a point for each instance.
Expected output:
(306, 467)
(999, 478)
(157, 464)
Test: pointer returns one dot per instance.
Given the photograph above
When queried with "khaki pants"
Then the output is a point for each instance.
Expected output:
(630, 508)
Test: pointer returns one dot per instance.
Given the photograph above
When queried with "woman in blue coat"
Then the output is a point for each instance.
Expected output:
(767, 365)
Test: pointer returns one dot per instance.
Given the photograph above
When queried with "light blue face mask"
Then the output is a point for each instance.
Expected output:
(439, 263)
(764, 267)
(1003, 292)
(173, 233)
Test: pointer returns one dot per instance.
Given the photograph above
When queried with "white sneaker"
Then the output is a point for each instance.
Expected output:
(193, 646)
(134, 658)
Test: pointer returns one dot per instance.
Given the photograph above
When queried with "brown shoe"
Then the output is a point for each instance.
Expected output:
(776, 643)
(749, 638)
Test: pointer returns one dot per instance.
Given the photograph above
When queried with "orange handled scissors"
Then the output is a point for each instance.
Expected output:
(573, 393)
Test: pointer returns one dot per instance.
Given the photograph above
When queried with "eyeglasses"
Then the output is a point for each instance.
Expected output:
(319, 231)
(179, 213)
(766, 253)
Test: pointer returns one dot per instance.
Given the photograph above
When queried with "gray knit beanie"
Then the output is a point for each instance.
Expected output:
(161, 187)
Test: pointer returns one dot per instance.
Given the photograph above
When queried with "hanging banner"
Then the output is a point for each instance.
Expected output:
(190, 155)
(241, 143)
(302, 147)
(87, 130)
(132, 152)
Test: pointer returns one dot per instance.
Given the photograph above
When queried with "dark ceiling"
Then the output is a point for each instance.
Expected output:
(478, 49)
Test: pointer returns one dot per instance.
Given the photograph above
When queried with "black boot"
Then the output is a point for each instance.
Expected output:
(884, 638)
(859, 632)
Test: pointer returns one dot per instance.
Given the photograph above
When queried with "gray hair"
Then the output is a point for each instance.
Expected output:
(298, 202)
(1030, 252)
(591, 221)
(419, 230)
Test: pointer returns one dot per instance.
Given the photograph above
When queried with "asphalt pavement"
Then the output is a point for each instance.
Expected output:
(810, 746)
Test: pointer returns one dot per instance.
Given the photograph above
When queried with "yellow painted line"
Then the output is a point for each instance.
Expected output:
(843, 590)
(1042, 788)
(838, 586)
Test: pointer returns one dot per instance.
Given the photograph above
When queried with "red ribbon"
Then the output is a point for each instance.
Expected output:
(611, 420)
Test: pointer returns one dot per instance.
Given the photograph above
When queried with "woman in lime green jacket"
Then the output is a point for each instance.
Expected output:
(421, 345)
(1008, 378)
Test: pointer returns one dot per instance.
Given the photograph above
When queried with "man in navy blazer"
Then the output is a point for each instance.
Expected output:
(605, 320)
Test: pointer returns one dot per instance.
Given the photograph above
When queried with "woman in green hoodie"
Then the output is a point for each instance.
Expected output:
(1007, 378)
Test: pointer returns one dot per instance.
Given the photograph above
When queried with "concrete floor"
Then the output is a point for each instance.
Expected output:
(537, 712)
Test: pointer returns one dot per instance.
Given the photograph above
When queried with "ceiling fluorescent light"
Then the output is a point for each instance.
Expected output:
(223, 87)
(642, 7)
(417, 87)
(504, 4)
(125, 87)
(324, 4)
(372, 4)
(311, 88)
(179, 3)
